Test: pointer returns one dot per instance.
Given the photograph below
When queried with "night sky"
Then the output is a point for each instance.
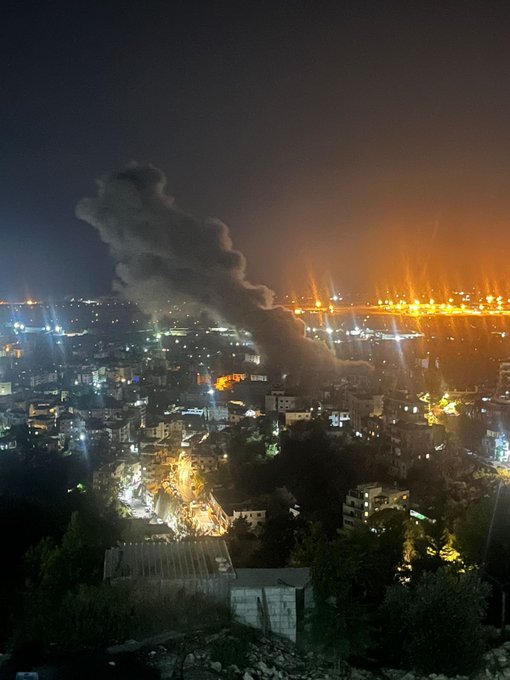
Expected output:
(362, 143)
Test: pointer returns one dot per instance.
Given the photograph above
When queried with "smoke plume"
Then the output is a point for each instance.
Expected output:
(162, 251)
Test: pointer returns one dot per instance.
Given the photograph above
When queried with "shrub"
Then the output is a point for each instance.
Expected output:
(435, 626)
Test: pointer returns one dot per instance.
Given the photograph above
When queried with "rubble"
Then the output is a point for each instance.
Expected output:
(244, 655)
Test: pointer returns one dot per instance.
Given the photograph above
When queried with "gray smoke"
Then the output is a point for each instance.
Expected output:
(162, 251)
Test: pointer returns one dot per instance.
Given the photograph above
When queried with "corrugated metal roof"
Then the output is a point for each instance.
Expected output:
(207, 558)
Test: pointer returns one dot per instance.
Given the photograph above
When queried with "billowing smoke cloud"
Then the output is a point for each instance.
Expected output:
(162, 251)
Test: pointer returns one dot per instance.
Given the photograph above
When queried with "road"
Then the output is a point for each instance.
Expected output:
(184, 478)
(180, 484)
(136, 506)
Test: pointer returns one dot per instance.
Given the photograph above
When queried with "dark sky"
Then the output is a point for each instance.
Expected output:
(360, 142)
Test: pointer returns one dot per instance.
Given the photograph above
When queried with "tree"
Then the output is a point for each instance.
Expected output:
(469, 431)
(483, 538)
(339, 622)
(312, 540)
(429, 488)
(350, 574)
(240, 529)
(436, 624)
(241, 542)
(279, 536)
(58, 568)
(432, 547)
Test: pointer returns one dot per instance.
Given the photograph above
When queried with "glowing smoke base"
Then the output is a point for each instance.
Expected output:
(161, 250)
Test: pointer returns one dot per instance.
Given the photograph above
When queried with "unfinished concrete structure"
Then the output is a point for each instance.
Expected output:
(273, 600)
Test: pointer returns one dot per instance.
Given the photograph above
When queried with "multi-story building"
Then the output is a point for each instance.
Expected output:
(43, 378)
(216, 413)
(375, 427)
(409, 442)
(255, 518)
(402, 405)
(279, 402)
(157, 430)
(361, 405)
(205, 461)
(292, 417)
(366, 499)
(227, 509)
(503, 387)
(119, 431)
(339, 418)
(496, 446)
(41, 408)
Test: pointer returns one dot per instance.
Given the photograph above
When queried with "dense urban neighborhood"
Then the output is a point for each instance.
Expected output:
(255, 340)
(162, 458)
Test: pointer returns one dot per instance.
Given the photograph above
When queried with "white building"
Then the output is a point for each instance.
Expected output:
(255, 518)
(43, 378)
(227, 511)
(339, 418)
(216, 412)
(366, 499)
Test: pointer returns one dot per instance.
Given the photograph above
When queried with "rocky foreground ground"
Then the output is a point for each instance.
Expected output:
(225, 654)
(230, 654)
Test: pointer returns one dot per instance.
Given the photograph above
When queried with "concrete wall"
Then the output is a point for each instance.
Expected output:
(270, 607)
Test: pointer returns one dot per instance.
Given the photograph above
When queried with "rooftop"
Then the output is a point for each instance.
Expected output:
(260, 578)
(404, 425)
(206, 558)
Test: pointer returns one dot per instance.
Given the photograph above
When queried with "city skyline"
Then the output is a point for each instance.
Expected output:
(255, 339)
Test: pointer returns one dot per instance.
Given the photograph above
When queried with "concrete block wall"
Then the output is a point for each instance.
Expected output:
(277, 604)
